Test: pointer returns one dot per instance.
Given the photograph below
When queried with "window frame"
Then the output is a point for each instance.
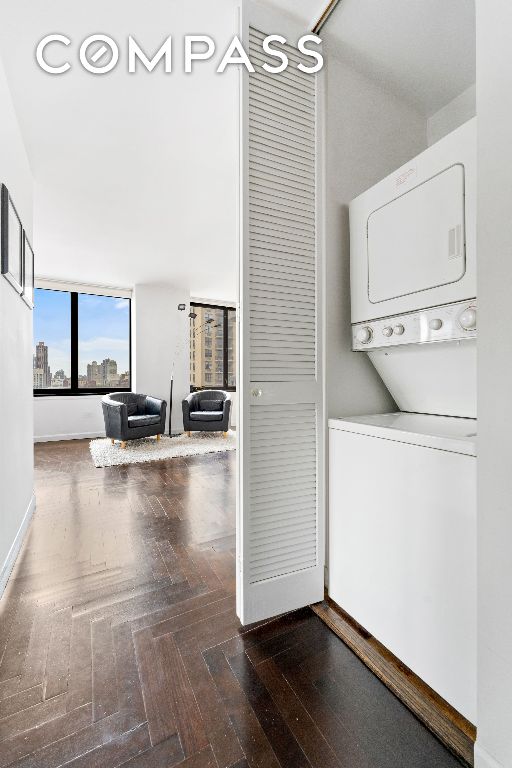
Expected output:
(225, 361)
(74, 390)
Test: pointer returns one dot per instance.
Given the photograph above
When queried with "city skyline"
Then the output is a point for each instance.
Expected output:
(99, 374)
(103, 329)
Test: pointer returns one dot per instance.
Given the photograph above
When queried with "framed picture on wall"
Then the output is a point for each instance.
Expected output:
(28, 272)
(11, 240)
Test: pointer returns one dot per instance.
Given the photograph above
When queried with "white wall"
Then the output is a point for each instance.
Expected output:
(161, 337)
(369, 134)
(67, 418)
(16, 451)
(494, 106)
(455, 113)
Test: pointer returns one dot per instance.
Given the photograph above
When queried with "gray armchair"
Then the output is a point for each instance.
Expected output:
(129, 416)
(207, 411)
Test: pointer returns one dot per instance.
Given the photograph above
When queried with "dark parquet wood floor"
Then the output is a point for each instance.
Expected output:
(120, 646)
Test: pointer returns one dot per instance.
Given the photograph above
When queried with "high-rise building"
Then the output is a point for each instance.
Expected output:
(207, 348)
(40, 363)
(102, 374)
(38, 378)
(93, 374)
(59, 379)
(41, 355)
(109, 372)
(232, 349)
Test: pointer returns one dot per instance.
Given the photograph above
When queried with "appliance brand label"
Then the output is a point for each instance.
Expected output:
(406, 176)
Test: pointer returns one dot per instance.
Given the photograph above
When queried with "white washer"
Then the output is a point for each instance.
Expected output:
(402, 541)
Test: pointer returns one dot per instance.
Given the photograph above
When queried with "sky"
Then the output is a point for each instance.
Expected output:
(103, 329)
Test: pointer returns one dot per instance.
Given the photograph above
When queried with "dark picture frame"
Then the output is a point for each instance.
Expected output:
(11, 241)
(28, 272)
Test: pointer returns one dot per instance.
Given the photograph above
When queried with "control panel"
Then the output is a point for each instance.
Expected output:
(450, 322)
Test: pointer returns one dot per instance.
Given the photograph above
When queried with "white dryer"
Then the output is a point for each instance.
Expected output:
(413, 235)
(413, 277)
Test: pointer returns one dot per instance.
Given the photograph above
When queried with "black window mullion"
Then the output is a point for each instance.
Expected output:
(74, 341)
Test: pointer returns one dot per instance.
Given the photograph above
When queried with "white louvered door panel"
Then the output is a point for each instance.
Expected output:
(280, 516)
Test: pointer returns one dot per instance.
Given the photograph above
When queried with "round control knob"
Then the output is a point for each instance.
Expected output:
(435, 324)
(399, 329)
(468, 319)
(364, 334)
(387, 331)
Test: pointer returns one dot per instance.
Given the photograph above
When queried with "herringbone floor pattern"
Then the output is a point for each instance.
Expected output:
(120, 645)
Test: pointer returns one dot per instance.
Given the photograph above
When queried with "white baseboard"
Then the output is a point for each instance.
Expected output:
(8, 565)
(74, 436)
(483, 759)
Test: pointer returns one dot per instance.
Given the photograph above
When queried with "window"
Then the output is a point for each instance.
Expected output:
(231, 351)
(212, 347)
(103, 342)
(82, 343)
(52, 340)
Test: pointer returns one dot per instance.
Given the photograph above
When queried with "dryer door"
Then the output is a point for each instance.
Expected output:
(417, 241)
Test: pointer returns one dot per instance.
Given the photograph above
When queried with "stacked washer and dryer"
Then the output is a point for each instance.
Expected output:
(402, 487)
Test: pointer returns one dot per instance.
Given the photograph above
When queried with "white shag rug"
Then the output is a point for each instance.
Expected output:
(104, 454)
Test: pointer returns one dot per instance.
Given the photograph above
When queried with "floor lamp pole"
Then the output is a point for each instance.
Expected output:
(170, 405)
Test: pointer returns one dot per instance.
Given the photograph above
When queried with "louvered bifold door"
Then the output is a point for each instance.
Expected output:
(280, 522)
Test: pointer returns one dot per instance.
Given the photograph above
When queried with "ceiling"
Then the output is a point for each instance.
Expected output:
(136, 175)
